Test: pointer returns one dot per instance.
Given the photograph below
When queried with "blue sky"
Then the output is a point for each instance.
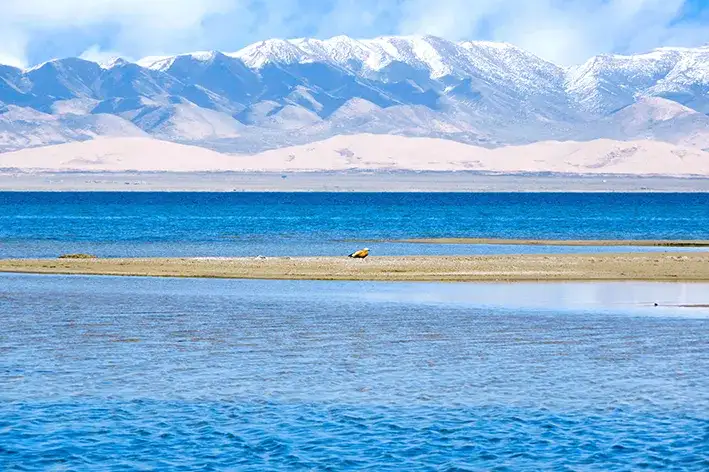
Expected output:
(564, 31)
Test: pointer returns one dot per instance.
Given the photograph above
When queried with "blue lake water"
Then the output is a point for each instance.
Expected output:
(250, 224)
(106, 373)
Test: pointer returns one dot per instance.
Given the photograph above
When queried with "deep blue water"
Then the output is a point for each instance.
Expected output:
(250, 224)
(105, 373)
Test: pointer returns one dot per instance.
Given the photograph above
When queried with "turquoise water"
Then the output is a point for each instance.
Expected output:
(250, 224)
(105, 373)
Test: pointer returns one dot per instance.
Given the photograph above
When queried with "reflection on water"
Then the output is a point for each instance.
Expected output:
(268, 375)
(618, 298)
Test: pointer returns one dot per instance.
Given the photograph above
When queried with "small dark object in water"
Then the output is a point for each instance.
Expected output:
(656, 304)
(78, 256)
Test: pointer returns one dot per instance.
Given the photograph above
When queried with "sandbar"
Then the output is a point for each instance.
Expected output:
(660, 266)
(560, 242)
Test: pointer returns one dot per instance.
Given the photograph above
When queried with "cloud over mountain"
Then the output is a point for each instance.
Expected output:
(567, 32)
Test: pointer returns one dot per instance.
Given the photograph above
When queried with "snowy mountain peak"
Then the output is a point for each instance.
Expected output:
(112, 62)
(436, 55)
(163, 63)
(608, 81)
(156, 62)
(489, 44)
(259, 54)
(204, 56)
(343, 51)
(50, 63)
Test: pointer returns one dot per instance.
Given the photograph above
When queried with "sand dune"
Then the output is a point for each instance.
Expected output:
(368, 151)
(397, 152)
(117, 154)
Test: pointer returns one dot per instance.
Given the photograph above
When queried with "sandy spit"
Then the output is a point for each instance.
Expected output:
(560, 242)
(558, 267)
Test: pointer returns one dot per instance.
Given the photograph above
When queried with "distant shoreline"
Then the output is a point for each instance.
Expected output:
(342, 181)
(666, 266)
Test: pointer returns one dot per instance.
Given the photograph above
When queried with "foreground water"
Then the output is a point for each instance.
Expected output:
(184, 374)
(249, 224)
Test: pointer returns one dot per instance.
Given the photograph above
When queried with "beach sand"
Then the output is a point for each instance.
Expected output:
(664, 266)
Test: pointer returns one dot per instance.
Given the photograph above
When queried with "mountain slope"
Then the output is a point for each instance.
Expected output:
(24, 127)
(608, 82)
(186, 122)
(278, 92)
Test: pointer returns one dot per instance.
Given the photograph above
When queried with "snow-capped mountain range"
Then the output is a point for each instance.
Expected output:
(285, 92)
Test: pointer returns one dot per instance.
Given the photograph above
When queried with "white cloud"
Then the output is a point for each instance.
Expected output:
(565, 31)
(8, 60)
(161, 14)
(12, 48)
(98, 55)
(141, 24)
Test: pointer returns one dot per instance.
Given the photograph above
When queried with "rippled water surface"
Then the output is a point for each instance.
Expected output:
(101, 373)
(294, 224)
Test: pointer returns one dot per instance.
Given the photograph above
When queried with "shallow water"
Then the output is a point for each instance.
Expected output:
(180, 374)
(295, 224)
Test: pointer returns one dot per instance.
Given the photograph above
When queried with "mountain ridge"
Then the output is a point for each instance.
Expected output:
(277, 93)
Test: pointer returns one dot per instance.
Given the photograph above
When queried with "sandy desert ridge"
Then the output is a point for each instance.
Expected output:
(370, 152)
